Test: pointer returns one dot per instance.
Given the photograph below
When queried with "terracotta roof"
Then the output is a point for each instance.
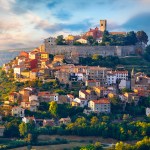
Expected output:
(101, 88)
(92, 81)
(35, 70)
(25, 102)
(13, 93)
(120, 72)
(83, 99)
(44, 93)
(97, 68)
(43, 53)
(64, 119)
(19, 66)
(101, 101)
(115, 33)
(34, 52)
(85, 92)
(44, 60)
(117, 72)
(70, 95)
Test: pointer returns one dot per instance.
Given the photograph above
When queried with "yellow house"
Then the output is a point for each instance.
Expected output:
(111, 95)
(59, 58)
(89, 91)
(135, 90)
(34, 54)
(33, 74)
(44, 55)
(127, 94)
(25, 74)
(69, 38)
(43, 64)
(75, 104)
(100, 91)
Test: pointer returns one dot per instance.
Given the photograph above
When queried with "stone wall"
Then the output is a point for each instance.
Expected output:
(84, 51)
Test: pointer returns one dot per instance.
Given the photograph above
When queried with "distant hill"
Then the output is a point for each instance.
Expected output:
(9, 54)
(19, 49)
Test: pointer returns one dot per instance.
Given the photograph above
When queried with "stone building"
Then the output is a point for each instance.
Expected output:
(100, 106)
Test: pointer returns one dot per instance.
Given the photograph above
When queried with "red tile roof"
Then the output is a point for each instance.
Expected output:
(83, 91)
(102, 101)
(44, 93)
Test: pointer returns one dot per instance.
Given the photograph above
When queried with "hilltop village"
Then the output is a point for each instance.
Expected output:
(61, 93)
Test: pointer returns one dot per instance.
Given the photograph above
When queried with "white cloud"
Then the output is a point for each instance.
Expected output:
(6, 4)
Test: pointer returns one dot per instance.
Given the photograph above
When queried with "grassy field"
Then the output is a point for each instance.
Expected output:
(136, 62)
(74, 141)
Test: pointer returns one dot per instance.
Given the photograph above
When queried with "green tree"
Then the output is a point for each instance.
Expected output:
(122, 146)
(98, 146)
(147, 53)
(11, 128)
(106, 37)
(96, 57)
(23, 129)
(60, 40)
(114, 100)
(26, 128)
(142, 37)
(53, 108)
(131, 38)
(94, 120)
(106, 118)
(143, 144)
(77, 43)
(31, 138)
(91, 40)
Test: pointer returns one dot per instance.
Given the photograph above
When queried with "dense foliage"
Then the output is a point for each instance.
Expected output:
(60, 40)
(147, 53)
(95, 60)
(131, 38)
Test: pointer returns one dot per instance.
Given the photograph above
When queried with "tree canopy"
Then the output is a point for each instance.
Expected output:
(142, 37)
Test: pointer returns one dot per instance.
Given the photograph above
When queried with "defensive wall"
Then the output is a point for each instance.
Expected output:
(84, 51)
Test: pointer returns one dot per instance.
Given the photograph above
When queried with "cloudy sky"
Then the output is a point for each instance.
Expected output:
(25, 23)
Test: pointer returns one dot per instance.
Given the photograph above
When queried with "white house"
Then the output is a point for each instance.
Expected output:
(92, 83)
(82, 41)
(18, 111)
(111, 78)
(27, 119)
(18, 70)
(70, 97)
(6, 67)
(25, 105)
(33, 97)
(82, 101)
(2, 129)
(80, 76)
(124, 84)
(54, 97)
(101, 106)
(21, 60)
(147, 111)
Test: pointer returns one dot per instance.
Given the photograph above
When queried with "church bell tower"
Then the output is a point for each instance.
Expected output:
(103, 25)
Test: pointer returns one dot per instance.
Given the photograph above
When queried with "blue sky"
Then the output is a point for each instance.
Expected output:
(25, 23)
